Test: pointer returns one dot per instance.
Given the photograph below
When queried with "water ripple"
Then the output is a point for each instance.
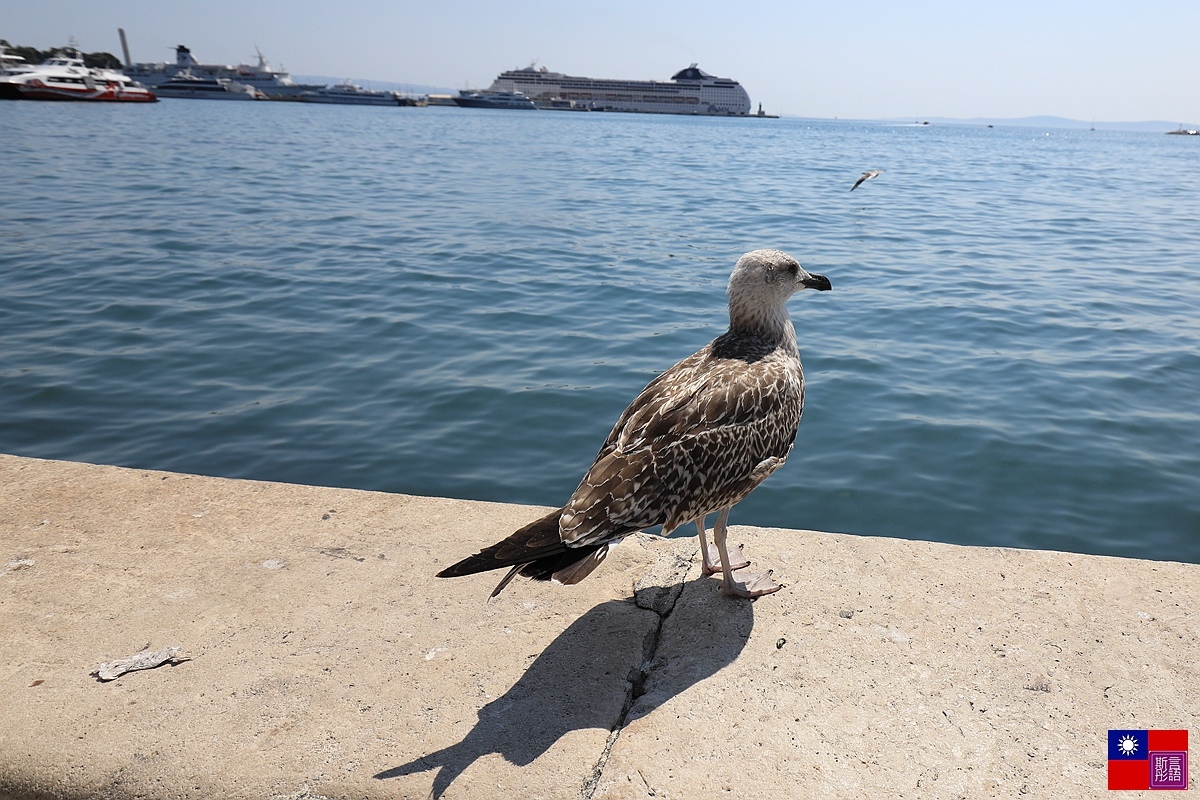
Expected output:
(460, 303)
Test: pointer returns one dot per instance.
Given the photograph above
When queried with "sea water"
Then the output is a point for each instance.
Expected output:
(461, 302)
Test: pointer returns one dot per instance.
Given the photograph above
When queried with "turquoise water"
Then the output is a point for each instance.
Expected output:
(460, 303)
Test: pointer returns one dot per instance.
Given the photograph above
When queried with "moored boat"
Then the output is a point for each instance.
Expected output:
(690, 91)
(66, 77)
(11, 63)
(268, 80)
(472, 99)
(558, 104)
(187, 85)
(350, 94)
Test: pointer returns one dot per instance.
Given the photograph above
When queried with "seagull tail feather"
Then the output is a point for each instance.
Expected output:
(535, 551)
(538, 539)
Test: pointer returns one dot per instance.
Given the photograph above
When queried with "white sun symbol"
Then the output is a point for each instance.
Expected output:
(1127, 745)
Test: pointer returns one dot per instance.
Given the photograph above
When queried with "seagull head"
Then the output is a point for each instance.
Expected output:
(761, 284)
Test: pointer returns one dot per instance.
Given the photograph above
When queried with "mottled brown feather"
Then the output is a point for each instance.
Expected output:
(688, 445)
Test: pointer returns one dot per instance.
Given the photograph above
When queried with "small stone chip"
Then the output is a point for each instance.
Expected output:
(146, 659)
(17, 564)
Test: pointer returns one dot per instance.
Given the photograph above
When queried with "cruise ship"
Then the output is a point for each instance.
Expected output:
(271, 82)
(690, 91)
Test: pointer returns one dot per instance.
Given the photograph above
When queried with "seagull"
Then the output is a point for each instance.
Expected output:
(698, 439)
(866, 176)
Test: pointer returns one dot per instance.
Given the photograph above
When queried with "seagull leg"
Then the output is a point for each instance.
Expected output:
(712, 557)
(749, 584)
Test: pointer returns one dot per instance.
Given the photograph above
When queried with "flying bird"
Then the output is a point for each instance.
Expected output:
(870, 174)
(698, 439)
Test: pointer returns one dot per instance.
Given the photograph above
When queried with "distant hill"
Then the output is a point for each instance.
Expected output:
(1054, 122)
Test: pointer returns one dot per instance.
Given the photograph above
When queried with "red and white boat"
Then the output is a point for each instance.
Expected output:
(66, 77)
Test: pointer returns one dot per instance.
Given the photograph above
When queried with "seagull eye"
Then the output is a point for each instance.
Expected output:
(792, 268)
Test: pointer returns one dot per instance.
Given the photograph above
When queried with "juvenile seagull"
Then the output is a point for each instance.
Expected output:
(697, 440)
(866, 176)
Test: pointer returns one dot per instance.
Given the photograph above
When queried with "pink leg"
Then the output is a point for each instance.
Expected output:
(748, 584)
(711, 558)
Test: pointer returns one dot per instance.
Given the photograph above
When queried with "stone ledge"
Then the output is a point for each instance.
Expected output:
(325, 661)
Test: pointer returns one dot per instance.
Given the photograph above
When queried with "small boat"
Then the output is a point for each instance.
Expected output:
(559, 104)
(350, 94)
(11, 63)
(185, 84)
(471, 99)
(66, 77)
(1182, 131)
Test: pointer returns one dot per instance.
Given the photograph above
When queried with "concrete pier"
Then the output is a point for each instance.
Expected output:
(319, 658)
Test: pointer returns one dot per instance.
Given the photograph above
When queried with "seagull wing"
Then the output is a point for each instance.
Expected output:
(697, 439)
(870, 174)
(692, 442)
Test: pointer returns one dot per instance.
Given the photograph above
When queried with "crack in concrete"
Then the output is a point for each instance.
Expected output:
(650, 595)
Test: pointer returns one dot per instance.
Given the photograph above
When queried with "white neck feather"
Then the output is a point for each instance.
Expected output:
(769, 320)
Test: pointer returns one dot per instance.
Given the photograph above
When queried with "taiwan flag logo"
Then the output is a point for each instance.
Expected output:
(1148, 759)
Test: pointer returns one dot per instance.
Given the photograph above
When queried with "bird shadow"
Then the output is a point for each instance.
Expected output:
(577, 681)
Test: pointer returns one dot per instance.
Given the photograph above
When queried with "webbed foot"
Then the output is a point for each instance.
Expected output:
(750, 584)
(712, 564)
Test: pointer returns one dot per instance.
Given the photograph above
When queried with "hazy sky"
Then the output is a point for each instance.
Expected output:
(1084, 59)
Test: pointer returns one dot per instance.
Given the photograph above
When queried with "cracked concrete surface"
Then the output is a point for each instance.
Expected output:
(325, 662)
(657, 590)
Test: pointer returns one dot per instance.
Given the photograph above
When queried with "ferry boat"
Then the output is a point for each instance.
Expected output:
(187, 85)
(271, 82)
(66, 77)
(11, 63)
(470, 99)
(690, 91)
(350, 94)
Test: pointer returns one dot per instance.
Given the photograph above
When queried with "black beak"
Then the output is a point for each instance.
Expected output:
(818, 282)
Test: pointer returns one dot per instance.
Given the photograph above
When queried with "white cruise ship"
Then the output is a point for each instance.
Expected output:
(690, 91)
